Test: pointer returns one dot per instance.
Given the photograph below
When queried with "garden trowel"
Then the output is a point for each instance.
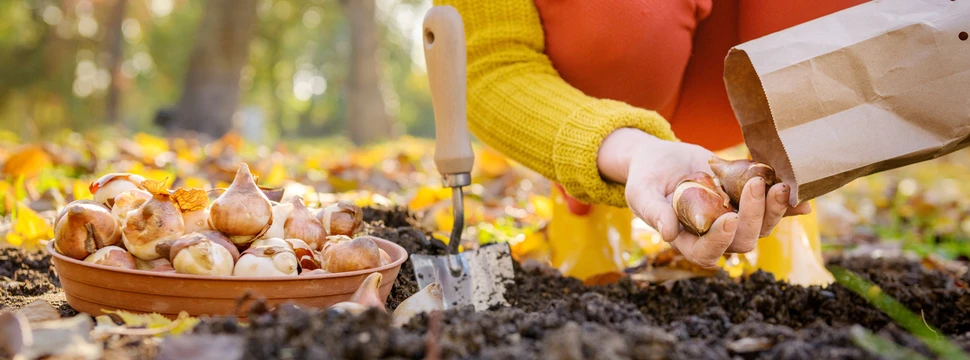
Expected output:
(475, 277)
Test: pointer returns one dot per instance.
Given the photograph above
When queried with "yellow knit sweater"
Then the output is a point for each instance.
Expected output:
(519, 105)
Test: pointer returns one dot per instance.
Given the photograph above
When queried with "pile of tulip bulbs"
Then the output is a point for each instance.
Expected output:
(139, 224)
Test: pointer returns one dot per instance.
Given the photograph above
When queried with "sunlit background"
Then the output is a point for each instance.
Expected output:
(71, 64)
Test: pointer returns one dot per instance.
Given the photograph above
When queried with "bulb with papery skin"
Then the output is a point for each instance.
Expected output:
(194, 254)
(385, 258)
(280, 211)
(147, 265)
(698, 201)
(734, 174)
(158, 220)
(309, 260)
(351, 255)
(301, 224)
(425, 301)
(113, 256)
(83, 227)
(366, 297)
(127, 201)
(109, 186)
(196, 220)
(243, 212)
(267, 261)
(341, 218)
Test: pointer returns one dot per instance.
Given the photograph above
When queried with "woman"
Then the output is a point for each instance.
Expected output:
(618, 100)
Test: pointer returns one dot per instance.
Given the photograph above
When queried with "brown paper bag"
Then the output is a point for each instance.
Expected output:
(870, 88)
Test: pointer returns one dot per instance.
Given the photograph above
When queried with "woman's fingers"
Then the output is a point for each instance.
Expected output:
(704, 251)
(752, 215)
(652, 207)
(776, 207)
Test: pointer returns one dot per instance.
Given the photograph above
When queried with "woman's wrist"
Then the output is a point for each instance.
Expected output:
(617, 150)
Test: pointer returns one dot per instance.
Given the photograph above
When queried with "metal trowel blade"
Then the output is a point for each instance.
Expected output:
(486, 274)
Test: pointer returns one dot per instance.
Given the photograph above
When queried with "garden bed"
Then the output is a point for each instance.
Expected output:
(556, 317)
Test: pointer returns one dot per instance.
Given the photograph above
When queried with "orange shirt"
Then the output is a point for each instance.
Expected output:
(666, 55)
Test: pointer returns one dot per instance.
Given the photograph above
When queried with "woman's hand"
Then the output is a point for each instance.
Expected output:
(651, 169)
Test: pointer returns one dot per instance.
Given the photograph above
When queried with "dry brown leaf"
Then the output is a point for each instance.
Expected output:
(155, 187)
(190, 200)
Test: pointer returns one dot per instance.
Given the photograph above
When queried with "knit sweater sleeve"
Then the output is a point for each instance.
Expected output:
(519, 105)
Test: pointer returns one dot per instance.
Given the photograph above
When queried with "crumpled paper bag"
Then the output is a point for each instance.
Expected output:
(870, 88)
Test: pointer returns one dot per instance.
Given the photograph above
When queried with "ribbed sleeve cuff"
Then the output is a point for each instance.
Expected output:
(578, 141)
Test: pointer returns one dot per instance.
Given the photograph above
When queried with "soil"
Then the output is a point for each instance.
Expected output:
(556, 317)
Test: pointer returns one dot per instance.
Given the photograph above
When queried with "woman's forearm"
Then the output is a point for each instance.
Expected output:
(519, 104)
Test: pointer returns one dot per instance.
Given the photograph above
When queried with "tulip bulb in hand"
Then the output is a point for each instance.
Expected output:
(734, 174)
(698, 201)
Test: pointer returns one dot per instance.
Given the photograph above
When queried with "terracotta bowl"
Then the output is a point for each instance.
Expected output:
(90, 288)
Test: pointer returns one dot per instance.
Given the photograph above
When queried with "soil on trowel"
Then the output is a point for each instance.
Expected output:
(554, 317)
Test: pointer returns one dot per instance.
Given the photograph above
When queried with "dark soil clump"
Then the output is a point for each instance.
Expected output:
(26, 276)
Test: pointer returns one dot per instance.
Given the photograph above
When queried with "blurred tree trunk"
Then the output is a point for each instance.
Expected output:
(114, 59)
(211, 90)
(366, 118)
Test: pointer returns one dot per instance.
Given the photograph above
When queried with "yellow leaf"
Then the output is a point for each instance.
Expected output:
(28, 162)
(276, 176)
(151, 146)
(491, 162)
(29, 228)
(80, 190)
(427, 196)
(183, 324)
(155, 187)
(543, 206)
(14, 239)
(193, 182)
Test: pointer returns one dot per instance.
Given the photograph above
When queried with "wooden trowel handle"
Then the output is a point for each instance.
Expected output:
(444, 53)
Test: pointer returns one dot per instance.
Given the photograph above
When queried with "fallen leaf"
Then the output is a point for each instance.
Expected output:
(67, 336)
(14, 333)
(202, 346)
(190, 200)
(38, 311)
(156, 323)
(28, 162)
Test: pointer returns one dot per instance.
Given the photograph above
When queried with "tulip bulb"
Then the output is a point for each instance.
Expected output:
(109, 186)
(341, 218)
(309, 258)
(301, 224)
(83, 227)
(427, 300)
(204, 254)
(367, 296)
(148, 265)
(196, 220)
(112, 256)
(698, 201)
(156, 221)
(280, 211)
(127, 201)
(733, 175)
(267, 261)
(243, 212)
(385, 258)
(341, 255)
(314, 272)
